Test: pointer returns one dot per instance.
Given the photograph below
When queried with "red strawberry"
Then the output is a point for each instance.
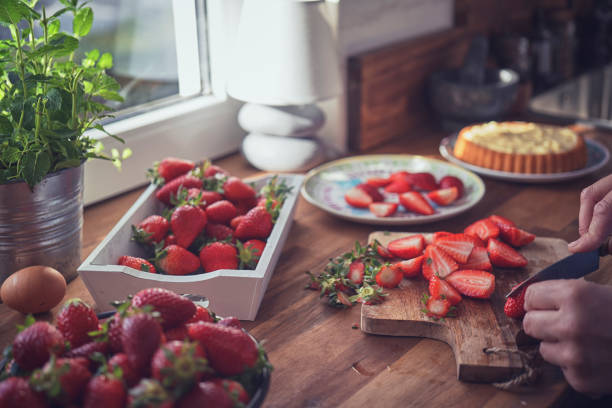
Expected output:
(34, 345)
(129, 375)
(439, 234)
(479, 259)
(255, 246)
(201, 315)
(176, 333)
(459, 246)
(389, 276)
(137, 263)
(87, 351)
(206, 395)
(171, 167)
(444, 196)
(176, 260)
(141, 335)
(439, 288)
(219, 232)
(437, 308)
(149, 393)
(15, 392)
(473, 283)
(236, 189)
(249, 253)
(423, 181)
(170, 189)
(407, 247)
(515, 304)
(179, 364)
(398, 175)
(230, 322)
(210, 197)
(221, 212)
(211, 170)
(383, 209)
(413, 201)
(174, 309)
(218, 255)
(257, 223)
(244, 206)
(357, 197)
(236, 221)
(152, 229)
(515, 236)
(437, 262)
(483, 229)
(356, 272)
(228, 349)
(383, 252)
(398, 186)
(234, 389)
(169, 240)
(371, 191)
(499, 221)
(114, 332)
(452, 181)
(504, 256)
(411, 267)
(75, 320)
(104, 391)
(187, 222)
(378, 181)
(71, 374)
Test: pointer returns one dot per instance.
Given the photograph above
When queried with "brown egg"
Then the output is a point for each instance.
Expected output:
(34, 289)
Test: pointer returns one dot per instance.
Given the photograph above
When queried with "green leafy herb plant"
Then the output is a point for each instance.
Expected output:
(48, 100)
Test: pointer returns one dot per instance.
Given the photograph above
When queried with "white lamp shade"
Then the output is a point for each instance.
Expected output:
(285, 54)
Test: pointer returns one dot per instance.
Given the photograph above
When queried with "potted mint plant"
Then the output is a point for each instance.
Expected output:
(48, 101)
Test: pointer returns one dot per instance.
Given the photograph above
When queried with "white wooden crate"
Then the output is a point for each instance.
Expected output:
(229, 292)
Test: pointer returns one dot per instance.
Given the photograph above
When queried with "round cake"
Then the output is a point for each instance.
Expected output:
(521, 147)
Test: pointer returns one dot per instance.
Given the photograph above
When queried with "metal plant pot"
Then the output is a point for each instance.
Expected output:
(43, 226)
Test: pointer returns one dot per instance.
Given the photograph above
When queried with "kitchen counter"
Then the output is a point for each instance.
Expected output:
(319, 360)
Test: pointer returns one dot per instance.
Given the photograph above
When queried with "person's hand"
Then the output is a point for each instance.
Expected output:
(573, 318)
(595, 217)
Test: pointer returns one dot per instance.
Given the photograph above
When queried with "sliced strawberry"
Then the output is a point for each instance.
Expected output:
(439, 288)
(371, 191)
(413, 201)
(473, 283)
(437, 307)
(398, 175)
(504, 256)
(437, 262)
(389, 276)
(408, 247)
(398, 186)
(459, 246)
(515, 304)
(479, 259)
(356, 272)
(452, 181)
(423, 181)
(439, 234)
(444, 196)
(357, 197)
(483, 229)
(499, 221)
(384, 252)
(515, 236)
(378, 181)
(411, 267)
(383, 209)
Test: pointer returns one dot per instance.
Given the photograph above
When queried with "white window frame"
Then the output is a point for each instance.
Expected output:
(195, 128)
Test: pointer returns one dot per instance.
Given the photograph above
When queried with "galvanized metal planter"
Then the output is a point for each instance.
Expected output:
(44, 226)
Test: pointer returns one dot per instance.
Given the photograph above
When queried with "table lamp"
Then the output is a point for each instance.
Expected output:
(285, 60)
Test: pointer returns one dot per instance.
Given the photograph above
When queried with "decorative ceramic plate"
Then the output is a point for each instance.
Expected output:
(326, 185)
(597, 157)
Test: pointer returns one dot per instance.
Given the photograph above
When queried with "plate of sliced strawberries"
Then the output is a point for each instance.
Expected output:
(392, 189)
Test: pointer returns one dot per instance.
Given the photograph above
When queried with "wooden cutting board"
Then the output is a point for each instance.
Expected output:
(479, 324)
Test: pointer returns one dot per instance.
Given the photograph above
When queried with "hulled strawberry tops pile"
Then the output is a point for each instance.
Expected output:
(212, 221)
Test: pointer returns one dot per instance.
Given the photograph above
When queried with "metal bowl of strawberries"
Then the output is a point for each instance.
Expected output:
(159, 349)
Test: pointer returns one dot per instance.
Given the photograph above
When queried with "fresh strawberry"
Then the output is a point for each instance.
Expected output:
(483, 229)
(444, 196)
(187, 222)
(201, 315)
(245, 205)
(249, 253)
(256, 246)
(398, 186)
(114, 331)
(411, 267)
(383, 252)
(479, 259)
(266, 202)
(206, 197)
(236, 189)
(407, 247)
(104, 391)
(378, 181)
(501, 221)
(398, 175)
(75, 320)
(137, 263)
(171, 167)
(176, 333)
(383, 209)
(257, 223)
(33, 346)
(173, 309)
(141, 335)
(357, 197)
(15, 392)
(356, 272)
(473, 283)
(63, 380)
(171, 188)
(211, 170)
(389, 276)
(459, 246)
(176, 260)
(218, 255)
(128, 374)
(423, 181)
(179, 364)
(88, 351)
(151, 230)
(439, 288)
(149, 393)
(230, 322)
(228, 349)
(221, 212)
(515, 236)
(413, 201)
(220, 232)
(437, 262)
(236, 221)
(234, 389)
(371, 191)
(452, 181)
(437, 235)
(206, 395)
(169, 240)
(504, 256)
(437, 308)
(515, 304)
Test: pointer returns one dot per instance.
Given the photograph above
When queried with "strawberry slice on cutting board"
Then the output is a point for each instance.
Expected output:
(473, 283)
(479, 259)
(515, 236)
(459, 246)
(438, 262)
(408, 247)
(483, 229)
(440, 288)
(504, 255)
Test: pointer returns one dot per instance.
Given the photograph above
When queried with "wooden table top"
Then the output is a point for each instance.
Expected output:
(319, 360)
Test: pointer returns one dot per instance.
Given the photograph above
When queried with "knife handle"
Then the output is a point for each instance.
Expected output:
(606, 247)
